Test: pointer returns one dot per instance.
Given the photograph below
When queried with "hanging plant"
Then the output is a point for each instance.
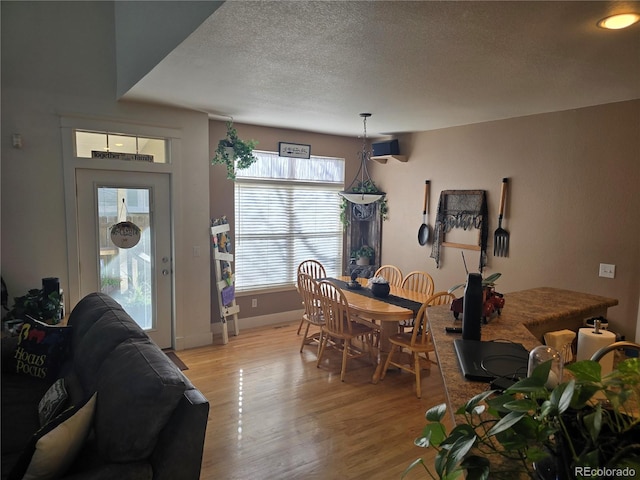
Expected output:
(234, 153)
(364, 187)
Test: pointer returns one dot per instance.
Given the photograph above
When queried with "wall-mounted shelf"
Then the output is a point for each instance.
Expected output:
(384, 158)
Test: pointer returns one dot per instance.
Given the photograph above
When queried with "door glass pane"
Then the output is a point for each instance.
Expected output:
(88, 142)
(125, 273)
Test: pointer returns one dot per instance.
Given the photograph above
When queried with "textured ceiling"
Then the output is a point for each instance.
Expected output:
(420, 65)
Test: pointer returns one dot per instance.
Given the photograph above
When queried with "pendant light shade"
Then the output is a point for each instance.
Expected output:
(362, 190)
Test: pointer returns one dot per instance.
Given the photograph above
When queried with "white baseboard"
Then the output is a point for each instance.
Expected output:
(193, 341)
(260, 321)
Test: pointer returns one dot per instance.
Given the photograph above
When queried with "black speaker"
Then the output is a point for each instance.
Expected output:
(50, 284)
(389, 147)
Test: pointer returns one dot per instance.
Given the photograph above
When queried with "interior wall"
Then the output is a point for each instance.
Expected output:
(221, 202)
(572, 201)
(58, 59)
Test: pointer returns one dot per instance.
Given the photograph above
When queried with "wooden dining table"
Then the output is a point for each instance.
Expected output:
(386, 316)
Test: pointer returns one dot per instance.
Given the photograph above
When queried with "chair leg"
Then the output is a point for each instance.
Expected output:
(299, 327)
(371, 355)
(323, 343)
(305, 337)
(320, 338)
(345, 356)
(387, 362)
(416, 357)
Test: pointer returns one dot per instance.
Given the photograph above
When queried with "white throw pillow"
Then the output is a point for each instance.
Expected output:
(60, 441)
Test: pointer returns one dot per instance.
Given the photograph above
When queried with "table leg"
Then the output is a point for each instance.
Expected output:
(386, 330)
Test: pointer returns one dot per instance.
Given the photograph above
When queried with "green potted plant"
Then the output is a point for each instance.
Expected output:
(366, 186)
(566, 432)
(34, 304)
(234, 153)
(363, 255)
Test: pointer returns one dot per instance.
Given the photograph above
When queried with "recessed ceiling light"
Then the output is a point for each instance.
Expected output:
(616, 22)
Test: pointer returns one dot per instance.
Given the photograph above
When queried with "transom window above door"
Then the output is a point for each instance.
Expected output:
(112, 146)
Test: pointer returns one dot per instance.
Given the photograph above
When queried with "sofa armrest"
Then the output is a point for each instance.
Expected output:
(178, 453)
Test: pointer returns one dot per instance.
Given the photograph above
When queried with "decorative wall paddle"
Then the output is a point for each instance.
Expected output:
(501, 236)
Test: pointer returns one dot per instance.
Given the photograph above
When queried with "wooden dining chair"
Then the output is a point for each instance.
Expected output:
(312, 316)
(418, 281)
(339, 327)
(438, 298)
(316, 270)
(441, 298)
(313, 268)
(418, 343)
(391, 273)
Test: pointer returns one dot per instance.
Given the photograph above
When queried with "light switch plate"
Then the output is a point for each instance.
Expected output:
(607, 270)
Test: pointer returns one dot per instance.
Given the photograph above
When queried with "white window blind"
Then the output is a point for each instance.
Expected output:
(286, 210)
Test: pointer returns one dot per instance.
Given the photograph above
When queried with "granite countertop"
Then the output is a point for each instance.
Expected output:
(525, 314)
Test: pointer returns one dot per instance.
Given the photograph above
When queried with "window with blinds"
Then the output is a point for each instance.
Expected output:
(286, 210)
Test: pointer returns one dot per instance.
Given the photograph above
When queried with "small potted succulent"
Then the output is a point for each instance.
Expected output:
(363, 255)
(234, 153)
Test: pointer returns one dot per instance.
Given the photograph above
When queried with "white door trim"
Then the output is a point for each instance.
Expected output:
(71, 163)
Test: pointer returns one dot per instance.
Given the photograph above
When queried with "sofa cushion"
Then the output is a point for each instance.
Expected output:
(41, 349)
(54, 446)
(105, 334)
(89, 310)
(139, 388)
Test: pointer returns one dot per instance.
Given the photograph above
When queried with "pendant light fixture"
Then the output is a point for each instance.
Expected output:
(362, 190)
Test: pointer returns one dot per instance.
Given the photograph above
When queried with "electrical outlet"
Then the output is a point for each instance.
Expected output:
(607, 270)
(254, 303)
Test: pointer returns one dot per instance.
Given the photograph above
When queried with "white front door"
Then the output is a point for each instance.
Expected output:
(140, 277)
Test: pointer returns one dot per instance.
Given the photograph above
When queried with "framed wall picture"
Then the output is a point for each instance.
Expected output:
(294, 150)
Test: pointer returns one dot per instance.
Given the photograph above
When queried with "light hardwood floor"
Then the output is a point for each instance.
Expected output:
(275, 415)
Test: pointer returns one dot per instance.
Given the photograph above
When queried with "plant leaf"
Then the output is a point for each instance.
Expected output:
(593, 422)
(505, 422)
(586, 371)
(432, 434)
(471, 405)
(561, 396)
(478, 468)
(440, 462)
(417, 461)
(491, 279)
(436, 414)
(534, 383)
(458, 451)
(523, 405)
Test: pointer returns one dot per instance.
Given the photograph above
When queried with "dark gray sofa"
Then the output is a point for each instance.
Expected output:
(149, 420)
